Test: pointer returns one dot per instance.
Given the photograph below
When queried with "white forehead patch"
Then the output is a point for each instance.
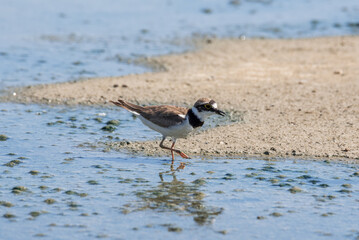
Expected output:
(214, 105)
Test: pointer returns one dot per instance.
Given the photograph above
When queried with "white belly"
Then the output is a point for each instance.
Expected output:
(178, 131)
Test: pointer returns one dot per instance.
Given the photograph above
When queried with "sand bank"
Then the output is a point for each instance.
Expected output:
(294, 97)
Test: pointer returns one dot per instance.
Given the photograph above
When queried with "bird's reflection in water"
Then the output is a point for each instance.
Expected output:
(176, 196)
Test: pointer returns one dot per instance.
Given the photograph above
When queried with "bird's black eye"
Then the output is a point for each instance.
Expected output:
(207, 106)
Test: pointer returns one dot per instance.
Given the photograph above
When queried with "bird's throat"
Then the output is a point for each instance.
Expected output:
(193, 119)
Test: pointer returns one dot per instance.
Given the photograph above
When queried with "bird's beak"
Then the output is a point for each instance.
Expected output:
(219, 112)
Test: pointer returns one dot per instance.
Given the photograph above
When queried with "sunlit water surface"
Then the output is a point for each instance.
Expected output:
(50, 186)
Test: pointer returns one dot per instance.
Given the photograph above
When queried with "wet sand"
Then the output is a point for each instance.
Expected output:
(290, 97)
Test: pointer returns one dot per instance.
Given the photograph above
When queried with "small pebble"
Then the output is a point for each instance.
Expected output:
(92, 182)
(274, 180)
(13, 163)
(346, 185)
(199, 181)
(34, 214)
(18, 189)
(73, 204)
(108, 128)
(224, 232)
(345, 191)
(295, 190)
(174, 229)
(6, 204)
(113, 122)
(34, 172)
(276, 214)
(9, 215)
(50, 201)
(40, 235)
(3, 137)
(235, 2)
(207, 10)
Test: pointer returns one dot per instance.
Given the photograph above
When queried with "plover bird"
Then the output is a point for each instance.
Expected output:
(172, 121)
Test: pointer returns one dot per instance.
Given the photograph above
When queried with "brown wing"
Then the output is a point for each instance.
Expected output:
(129, 106)
(164, 115)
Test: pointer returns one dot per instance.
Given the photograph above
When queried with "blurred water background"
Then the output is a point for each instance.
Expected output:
(52, 41)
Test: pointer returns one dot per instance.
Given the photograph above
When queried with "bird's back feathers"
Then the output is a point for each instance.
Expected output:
(163, 115)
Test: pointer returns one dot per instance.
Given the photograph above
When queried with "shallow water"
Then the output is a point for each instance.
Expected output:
(54, 185)
(52, 41)
(107, 194)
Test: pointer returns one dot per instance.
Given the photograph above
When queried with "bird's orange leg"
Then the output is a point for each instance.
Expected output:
(183, 155)
(173, 157)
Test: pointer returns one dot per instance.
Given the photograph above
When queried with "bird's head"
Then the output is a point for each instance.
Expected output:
(205, 107)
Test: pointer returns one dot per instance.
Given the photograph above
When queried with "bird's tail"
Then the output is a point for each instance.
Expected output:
(133, 108)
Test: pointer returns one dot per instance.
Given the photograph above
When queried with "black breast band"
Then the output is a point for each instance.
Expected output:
(194, 120)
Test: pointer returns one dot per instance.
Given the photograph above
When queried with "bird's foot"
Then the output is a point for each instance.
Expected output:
(183, 155)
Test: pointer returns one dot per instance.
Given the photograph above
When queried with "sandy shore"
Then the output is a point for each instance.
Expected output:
(295, 97)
